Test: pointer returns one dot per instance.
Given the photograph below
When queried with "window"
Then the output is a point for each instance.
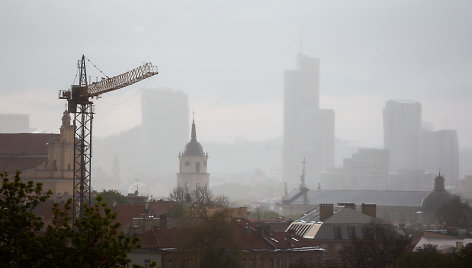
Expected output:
(351, 231)
(243, 263)
(338, 249)
(197, 166)
(170, 263)
(325, 247)
(147, 263)
(337, 232)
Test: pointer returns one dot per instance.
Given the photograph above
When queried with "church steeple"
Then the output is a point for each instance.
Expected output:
(194, 132)
(193, 165)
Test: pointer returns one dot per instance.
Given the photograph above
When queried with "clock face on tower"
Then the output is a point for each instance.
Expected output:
(187, 163)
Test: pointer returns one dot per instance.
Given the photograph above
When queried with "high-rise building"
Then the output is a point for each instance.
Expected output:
(193, 165)
(402, 134)
(308, 130)
(148, 150)
(415, 146)
(165, 117)
(440, 152)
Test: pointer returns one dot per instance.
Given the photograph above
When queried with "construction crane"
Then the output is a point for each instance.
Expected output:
(79, 102)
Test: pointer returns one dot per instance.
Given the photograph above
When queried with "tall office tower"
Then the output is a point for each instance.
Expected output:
(440, 153)
(148, 149)
(308, 131)
(402, 134)
(165, 117)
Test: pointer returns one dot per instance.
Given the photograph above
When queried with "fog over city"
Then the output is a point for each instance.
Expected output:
(229, 58)
(304, 133)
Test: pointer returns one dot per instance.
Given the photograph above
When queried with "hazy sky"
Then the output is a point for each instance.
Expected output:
(229, 57)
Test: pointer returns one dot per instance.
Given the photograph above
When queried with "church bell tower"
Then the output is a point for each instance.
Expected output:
(193, 165)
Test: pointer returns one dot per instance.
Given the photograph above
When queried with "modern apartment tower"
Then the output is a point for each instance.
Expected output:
(308, 130)
(440, 153)
(165, 116)
(402, 134)
(413, 148)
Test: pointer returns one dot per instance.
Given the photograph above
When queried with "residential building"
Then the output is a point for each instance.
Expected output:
(445, 241)
(397, 207)
(334, 228)
(260, 247)
(365, 170)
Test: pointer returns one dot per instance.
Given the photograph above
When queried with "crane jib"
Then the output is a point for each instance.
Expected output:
(122, 80)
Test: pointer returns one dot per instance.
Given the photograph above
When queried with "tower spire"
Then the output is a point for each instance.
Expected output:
(194, 132)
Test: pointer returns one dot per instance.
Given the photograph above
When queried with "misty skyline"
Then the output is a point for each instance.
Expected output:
(230, 58)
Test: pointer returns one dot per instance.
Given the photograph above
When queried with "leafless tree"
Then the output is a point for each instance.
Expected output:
(178, 195)
(202, 197)
(221, 201)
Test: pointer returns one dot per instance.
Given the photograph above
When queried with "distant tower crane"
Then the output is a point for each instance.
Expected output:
(79, 103)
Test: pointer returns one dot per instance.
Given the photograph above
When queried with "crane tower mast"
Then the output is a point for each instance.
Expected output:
(79, 99)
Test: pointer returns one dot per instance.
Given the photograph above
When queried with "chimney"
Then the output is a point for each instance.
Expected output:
(369, 210)
(326, 210)
(348, 205)
(163, 221)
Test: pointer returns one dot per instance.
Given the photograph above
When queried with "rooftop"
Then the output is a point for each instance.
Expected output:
(381, 198)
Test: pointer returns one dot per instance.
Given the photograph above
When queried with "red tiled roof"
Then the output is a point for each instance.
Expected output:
(249, 238)
(159, 238)
(126, 212)
(25, 143)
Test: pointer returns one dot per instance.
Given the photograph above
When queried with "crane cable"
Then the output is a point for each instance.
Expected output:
(75, 78)
(97, 68)
(128, 99)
